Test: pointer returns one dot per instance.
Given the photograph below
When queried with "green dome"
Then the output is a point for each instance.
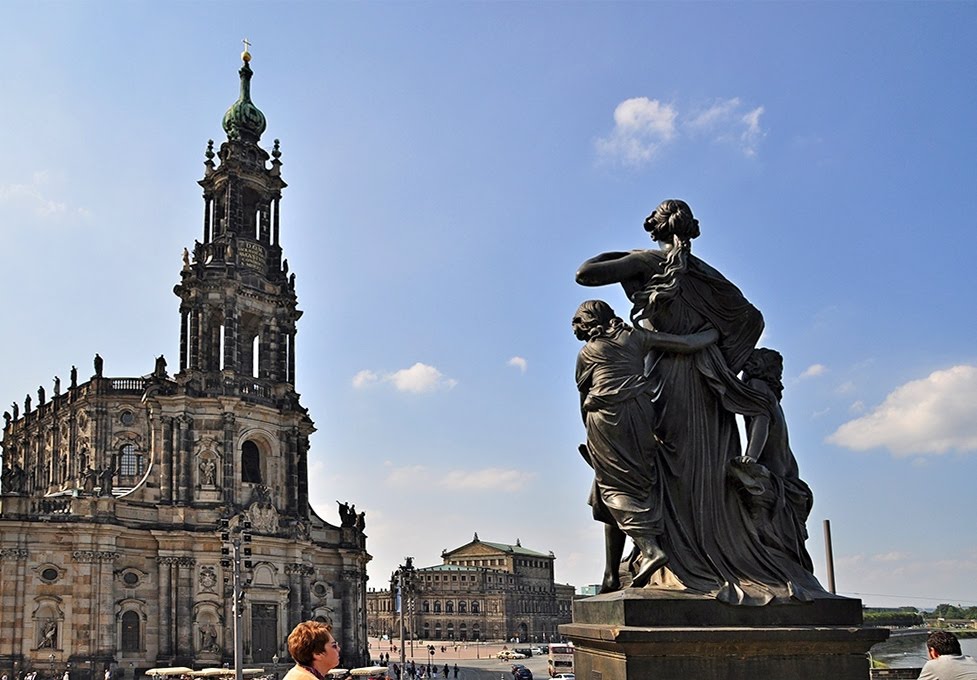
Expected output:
(244, 120)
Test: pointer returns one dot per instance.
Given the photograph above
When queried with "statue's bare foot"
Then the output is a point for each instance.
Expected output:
(653, 558)
(610, 583)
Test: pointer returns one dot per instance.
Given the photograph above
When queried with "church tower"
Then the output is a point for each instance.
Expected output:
(119, 497)
(238, 308)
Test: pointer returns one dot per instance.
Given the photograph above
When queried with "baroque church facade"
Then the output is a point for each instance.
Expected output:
(122, 498)
(481, 591)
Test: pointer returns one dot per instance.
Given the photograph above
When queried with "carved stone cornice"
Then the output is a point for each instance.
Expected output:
(88, 556)
(178, 560)
(300, 569)
(14, 553)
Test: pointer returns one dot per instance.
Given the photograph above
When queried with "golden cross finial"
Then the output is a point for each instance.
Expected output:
(246, 55)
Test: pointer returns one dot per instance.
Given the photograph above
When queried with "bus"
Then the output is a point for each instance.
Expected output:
(559, 659)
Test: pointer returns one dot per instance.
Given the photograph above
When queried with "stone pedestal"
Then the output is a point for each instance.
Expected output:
(649, 634)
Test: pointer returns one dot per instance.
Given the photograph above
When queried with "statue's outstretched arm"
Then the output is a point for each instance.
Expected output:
(680, 344)
(613, 267)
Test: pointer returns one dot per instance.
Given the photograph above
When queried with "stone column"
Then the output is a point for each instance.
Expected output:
(294, 573)
(230, 336)
(13, 580)
(165, 566)
(193, 338)
(229, 481)
(291, 358)
(165, 450)
(184, 332)
(303, 474)
(183, 607)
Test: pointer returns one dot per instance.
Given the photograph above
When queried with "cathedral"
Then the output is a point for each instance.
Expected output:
(124, 499)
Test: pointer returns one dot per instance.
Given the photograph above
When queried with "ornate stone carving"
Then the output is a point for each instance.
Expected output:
(89, 556)
(208, 579)
(14, 553)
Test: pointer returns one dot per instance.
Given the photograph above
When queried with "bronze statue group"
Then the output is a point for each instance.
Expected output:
(659, 398)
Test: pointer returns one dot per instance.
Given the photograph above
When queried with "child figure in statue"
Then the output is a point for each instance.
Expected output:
(617, 406)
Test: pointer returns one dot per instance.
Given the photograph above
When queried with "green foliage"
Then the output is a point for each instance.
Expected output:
(893, 617)
(950, 611)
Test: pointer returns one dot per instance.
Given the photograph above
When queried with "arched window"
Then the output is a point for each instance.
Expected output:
(426, 606)
(474, 606)
(130, 631)
(250, 463)
(437, 607)
(461, 606)
(130, 462)
(449, 607)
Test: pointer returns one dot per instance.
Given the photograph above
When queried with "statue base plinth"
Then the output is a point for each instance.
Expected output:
(648, 634)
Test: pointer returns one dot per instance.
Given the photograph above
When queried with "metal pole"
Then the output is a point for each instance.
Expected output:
(827, 554)
(400, 605)
(238, 596)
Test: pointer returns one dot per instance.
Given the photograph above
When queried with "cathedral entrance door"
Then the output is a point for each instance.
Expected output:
(264, 632)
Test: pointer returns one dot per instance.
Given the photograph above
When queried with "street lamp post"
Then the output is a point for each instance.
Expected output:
(405, 589)
(231, 558)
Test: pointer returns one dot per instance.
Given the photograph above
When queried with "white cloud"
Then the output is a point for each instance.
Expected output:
(930, 416)
(519, 363)
(753, 133)
(421, 378)
(726, 122)
(495, 479)
(487, 479)
(406, 476)
(857, 407)
(418, 378)
(35, 196)
(813, 371)
(846, 388)
(641, 127)
(364, 378)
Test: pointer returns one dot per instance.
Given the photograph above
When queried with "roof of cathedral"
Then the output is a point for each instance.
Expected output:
(244, 120)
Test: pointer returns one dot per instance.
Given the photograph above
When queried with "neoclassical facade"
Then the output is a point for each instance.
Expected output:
(115, 490)
(481, 591)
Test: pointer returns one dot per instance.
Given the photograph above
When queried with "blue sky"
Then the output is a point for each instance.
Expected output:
(449, 167)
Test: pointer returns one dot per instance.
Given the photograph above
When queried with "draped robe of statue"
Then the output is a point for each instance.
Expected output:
(617, 405)
(708, 533)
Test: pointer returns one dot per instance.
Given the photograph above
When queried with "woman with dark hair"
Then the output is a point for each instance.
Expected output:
(707, 532)
(314, 649)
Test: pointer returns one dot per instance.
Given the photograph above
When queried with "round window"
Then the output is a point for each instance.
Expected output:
(50, 574)
(127, 418)
(319, 589)
(130, 578)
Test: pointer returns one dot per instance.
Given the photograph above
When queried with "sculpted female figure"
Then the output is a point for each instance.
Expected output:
(617, 406)
(707, 533)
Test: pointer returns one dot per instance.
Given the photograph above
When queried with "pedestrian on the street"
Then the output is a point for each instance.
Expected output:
(456, 670)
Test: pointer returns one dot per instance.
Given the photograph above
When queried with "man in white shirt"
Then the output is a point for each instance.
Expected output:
(947, 661)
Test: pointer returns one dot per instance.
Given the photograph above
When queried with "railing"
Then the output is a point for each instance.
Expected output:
(128, 384)
(255, 389)
(53, 506)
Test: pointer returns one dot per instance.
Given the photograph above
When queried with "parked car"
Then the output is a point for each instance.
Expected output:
(525, 651)
(537, 651)
(564, 676)
(508, 655)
